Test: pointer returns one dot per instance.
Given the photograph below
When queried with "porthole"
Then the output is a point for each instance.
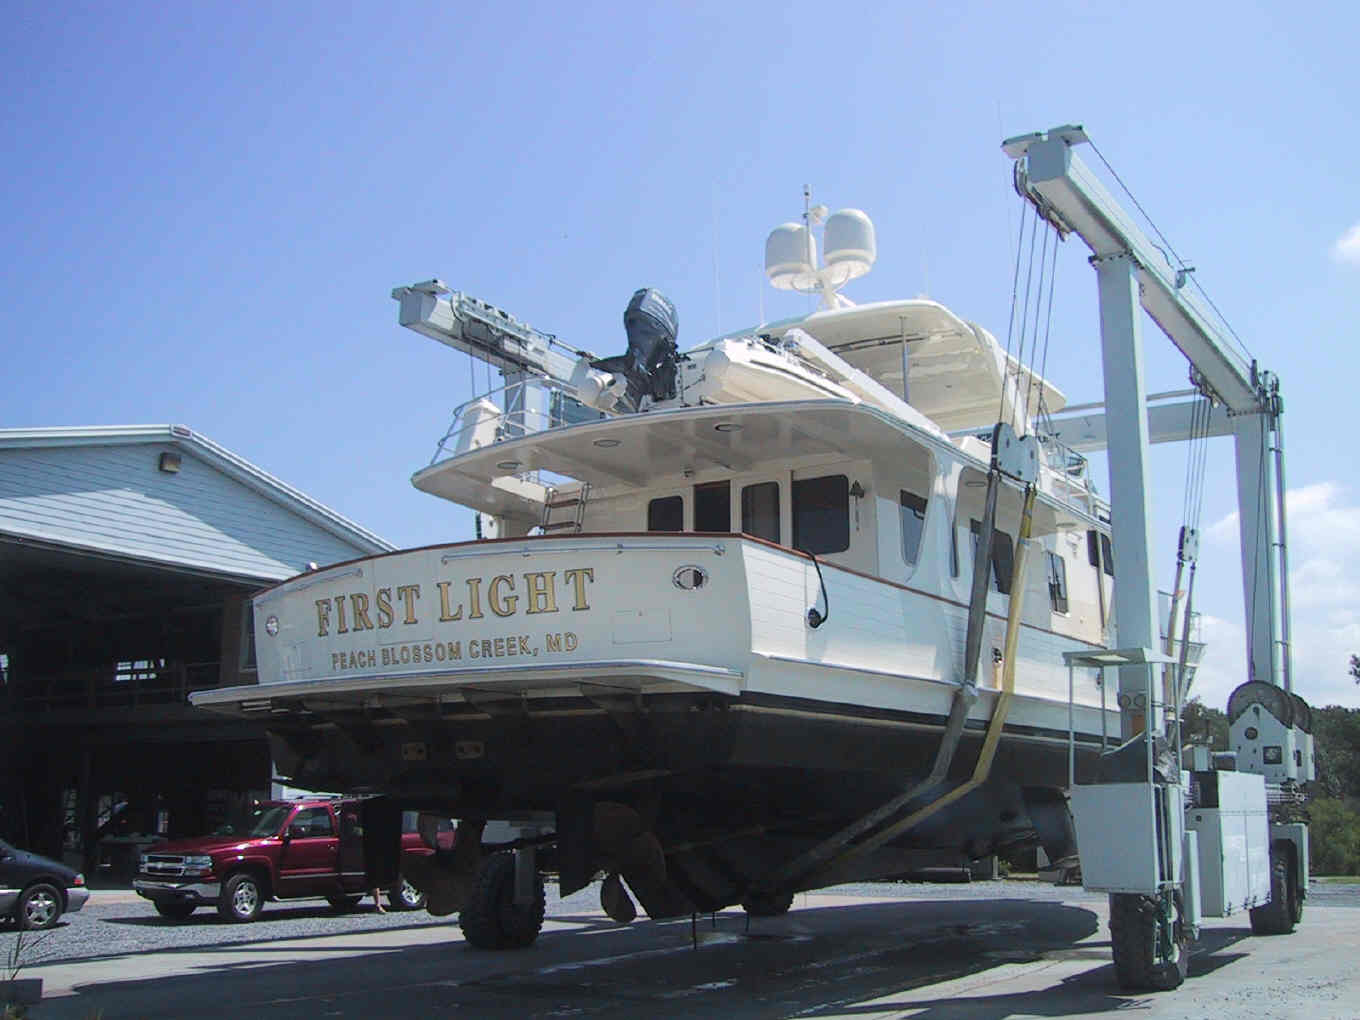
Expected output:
(689, 577)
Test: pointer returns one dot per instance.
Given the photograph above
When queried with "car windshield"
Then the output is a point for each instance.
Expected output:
(267, 821)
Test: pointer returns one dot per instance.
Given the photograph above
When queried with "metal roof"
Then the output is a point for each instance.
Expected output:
(219, 457)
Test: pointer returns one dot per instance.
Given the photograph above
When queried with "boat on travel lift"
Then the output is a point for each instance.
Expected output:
(784, 610)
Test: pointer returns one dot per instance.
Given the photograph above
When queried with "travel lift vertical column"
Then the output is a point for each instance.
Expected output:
(1130, 831)
(1135, 592)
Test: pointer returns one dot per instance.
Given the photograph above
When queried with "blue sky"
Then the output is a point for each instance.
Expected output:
(204, 212)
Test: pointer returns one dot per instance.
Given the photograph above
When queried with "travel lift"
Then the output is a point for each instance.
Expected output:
(1169, 844)
(1172, 841)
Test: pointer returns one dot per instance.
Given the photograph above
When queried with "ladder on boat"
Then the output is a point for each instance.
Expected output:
(574, 500)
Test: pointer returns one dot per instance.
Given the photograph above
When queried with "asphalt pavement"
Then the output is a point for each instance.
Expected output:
(988, 949)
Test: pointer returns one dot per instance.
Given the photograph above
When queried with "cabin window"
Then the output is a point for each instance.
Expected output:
(1003, 555)
(666, 514)
(1099, 552)
(821, 514)
(912, 511)
(760, 510)
(713, 507)
(1057, 583)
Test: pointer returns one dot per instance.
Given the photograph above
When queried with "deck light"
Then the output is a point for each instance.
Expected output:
(606, 444)
(508, 465)
(727, 426)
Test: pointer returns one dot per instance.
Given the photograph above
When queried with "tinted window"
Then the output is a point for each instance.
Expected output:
(821, 514)
(1003, 556)
(1098, 551)
(1057, 583)
(912, 510)
(713, 507)
(760, 510)
(314, 821)
(666, 514)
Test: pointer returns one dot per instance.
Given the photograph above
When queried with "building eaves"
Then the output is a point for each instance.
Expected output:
(218, 456)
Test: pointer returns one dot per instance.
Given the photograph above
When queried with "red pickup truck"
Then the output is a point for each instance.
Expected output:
(288, 850)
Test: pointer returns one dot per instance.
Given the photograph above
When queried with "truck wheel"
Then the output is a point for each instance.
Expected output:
(405, 896)
(175, 911)
(1134, 937)
(491, 919)
(767, 904)
(39, 907)
(343, 904)
(241, 898)
(1277, 916)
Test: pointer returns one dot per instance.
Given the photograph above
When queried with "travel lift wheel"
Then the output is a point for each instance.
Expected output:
(492, 919)
(1150, 941)
(1285, 908)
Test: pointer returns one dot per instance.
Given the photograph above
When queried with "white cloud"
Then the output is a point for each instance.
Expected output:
(1347, 246)
(1324, 575)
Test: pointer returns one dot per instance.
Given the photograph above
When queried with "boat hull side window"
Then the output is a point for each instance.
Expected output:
(912, 512)
(1003, 556)
(760, 511)
(1057, 583)
(713, 507)
(666, 514)
(821, 514)
(1099, 552)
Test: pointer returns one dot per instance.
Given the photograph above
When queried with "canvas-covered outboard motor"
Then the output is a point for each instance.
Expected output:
(647, 370)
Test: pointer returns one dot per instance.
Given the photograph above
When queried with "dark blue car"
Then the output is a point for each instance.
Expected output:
(35, 891)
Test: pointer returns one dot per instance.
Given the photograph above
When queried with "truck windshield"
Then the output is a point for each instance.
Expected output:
(269, 820)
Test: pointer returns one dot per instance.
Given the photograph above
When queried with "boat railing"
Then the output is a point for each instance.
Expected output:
(1069, 474)
(512, 411)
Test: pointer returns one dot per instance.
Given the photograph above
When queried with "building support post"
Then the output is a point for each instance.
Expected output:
(1135, 593)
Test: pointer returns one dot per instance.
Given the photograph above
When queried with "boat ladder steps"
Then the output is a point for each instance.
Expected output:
(576, 500)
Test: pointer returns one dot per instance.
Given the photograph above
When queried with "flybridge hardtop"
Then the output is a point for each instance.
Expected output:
(822, 600)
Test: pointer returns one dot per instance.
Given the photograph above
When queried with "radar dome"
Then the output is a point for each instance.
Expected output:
(791, 257)
(851, 248)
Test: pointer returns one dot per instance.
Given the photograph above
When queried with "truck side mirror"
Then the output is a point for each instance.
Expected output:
(296, 832)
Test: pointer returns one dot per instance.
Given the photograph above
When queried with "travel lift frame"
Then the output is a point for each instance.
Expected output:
(1167, 857)
(1168, 845)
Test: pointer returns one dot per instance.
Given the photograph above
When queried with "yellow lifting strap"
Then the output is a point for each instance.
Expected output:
(999, 711)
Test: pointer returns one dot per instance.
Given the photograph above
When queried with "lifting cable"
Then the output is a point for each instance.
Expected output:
(1187, 557)
(1026, 210)
(1185, 270)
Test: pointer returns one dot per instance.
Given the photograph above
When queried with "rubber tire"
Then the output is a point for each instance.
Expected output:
(767, 904)
(343, 904)
(175, 911)
(39, 907)
(247, 887)
(490, 919)
(405, 896)
(1277, 916)
(1133, 938)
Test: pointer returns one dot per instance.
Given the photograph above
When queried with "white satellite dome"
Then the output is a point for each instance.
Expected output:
(851, 248)
(791, 257)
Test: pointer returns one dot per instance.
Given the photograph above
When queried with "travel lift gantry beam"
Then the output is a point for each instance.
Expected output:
(1134, 837)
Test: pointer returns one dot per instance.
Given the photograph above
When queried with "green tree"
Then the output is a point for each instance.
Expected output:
(1333, 838)
(1355, 668)
(1336, 752)
(1200, 723)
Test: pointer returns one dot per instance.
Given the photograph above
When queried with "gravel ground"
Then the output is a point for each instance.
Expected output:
(115, 923)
